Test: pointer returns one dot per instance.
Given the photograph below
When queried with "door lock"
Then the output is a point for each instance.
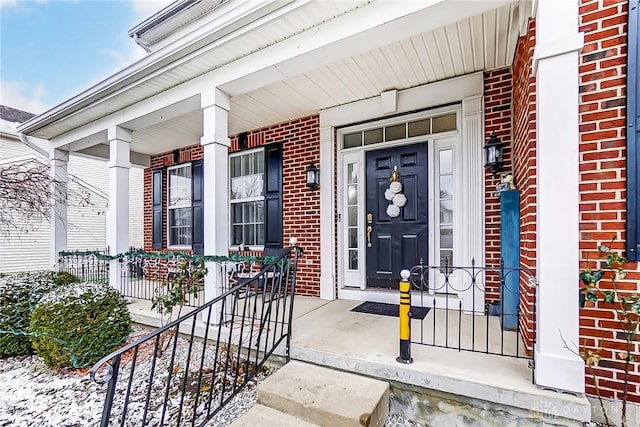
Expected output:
(369, 218)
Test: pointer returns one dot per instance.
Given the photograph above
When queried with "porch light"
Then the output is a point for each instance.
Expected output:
(313, 176)
(493, 151)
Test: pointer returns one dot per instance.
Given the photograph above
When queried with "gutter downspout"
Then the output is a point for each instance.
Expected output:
(34, 147)
(42, 152)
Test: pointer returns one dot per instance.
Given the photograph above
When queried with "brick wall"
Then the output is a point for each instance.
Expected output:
(524, 169)
(603, 178)
(497, 112)
(301, 206)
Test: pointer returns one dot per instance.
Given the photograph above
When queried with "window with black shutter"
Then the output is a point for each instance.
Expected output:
(156, 208)
(633, 130)
(255, 183)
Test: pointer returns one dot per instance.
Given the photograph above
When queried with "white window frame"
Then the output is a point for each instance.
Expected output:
(245, 200)
(437, 145)
(352, 284)
(178, 206)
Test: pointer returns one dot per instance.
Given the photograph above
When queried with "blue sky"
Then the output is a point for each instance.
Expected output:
(50, 50)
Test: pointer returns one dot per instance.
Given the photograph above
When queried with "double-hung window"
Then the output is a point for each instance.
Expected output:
(247, 198)
(179, 205)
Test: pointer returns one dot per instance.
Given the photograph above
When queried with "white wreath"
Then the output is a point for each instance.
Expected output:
(399, 200)
(393, 211)
(388, 194)
(396, 187)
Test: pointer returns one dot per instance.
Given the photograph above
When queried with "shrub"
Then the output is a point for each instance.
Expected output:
(19, 294)
(77, 324)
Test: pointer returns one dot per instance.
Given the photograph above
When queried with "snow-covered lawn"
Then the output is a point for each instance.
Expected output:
(32, 394)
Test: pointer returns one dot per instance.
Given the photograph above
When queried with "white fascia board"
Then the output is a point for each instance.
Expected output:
(157, 61)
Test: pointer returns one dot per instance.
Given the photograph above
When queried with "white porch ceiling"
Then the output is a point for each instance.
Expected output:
(481, 42)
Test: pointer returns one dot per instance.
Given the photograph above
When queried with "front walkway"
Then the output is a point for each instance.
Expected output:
(327, 333)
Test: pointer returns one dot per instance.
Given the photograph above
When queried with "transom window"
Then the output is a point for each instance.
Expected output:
(179, 205)
(408, 129)
(246, 171)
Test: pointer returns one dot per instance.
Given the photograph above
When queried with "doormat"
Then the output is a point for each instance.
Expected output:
(389, 310)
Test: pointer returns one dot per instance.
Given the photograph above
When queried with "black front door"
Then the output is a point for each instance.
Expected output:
(396, 237)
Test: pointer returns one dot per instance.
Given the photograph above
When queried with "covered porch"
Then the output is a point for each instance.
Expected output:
(344, 68)
(470, 387)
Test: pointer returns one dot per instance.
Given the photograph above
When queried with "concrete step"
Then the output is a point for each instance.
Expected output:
(325, 396)
(264, 416)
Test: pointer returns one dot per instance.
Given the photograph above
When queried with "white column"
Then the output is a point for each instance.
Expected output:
(118, 212)
(471, 240)
(215, 141)
(327, 215)
(556, 65)
(58, 215)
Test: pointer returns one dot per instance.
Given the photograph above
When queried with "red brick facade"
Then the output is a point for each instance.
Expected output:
(301, 206)
(497, 112)
(524, 168)
(603, 177)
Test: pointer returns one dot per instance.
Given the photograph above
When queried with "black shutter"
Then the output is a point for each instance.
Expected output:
(273, 196)
(633, 132)
(156, 208)
(197, 206)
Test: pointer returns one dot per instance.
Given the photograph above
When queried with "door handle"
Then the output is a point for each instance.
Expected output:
(369, 230)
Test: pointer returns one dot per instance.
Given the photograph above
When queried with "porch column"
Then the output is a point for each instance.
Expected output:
(118, 212)
(58, 214)
(327, 215)
(556, 66)
(215, 141)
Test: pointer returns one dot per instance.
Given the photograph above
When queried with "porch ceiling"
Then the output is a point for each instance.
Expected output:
(287, 90)
(482, 42)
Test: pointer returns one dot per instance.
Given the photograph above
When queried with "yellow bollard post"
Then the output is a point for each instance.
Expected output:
(405, 318)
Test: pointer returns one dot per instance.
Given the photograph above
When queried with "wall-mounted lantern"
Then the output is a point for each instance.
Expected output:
(313, 176)
(493, 151)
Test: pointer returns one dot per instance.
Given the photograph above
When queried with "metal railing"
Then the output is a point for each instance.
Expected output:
(85, 265)
(144, 277)
(185, 372)
(479, 309)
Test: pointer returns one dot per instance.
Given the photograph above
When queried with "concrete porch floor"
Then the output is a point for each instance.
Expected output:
(328, 333)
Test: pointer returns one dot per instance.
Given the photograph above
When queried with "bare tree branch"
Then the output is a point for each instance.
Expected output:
(29, 194)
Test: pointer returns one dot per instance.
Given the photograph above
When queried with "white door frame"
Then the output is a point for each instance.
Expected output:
(467, 90)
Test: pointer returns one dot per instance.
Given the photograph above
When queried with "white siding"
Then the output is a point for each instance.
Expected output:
(86, 213)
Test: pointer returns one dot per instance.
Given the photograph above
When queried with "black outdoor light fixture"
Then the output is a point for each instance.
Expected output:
(313, 176)
(494, 154)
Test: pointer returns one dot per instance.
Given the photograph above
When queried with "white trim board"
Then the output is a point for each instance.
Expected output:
(467, 89)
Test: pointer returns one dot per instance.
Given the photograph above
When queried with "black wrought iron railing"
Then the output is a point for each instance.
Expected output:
(479, 309)
(147, 277)
(184, 373)
(86, 265)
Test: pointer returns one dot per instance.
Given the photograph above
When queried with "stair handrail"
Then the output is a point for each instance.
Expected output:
(272, 285)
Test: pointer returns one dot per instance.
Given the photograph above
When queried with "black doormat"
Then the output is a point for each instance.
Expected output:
(389, 309)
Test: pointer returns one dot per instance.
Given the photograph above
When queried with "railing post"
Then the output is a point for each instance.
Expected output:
(405, 318)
